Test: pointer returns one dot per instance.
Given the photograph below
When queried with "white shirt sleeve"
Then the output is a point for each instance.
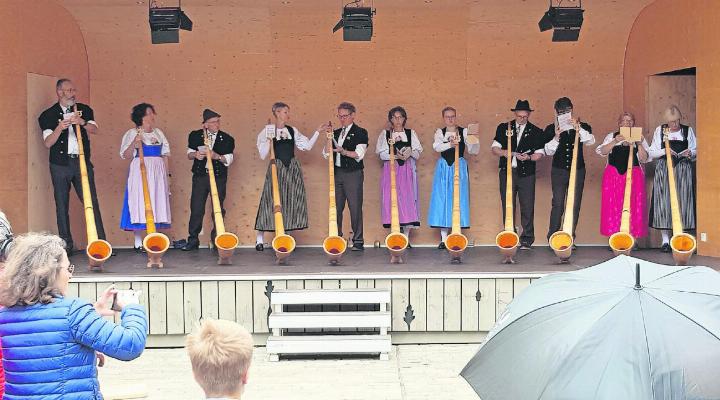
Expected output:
(439, 143)
(692, 142)
(303, 143)
(551, 146)
(587, 138)
(382, 148)
(92, 122)
(416, 145)
(608, 138)
(165, 151)
(656, 147)
(495, 143)
(46, 133)
(228, 159)
(263, 144)
(127, 141)
(471, 148)
(645, 146)
(360, 150)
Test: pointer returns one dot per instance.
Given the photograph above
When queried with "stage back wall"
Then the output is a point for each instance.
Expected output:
(242, 56)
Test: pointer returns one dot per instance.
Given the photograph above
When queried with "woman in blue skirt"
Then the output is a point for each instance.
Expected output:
(441, 199)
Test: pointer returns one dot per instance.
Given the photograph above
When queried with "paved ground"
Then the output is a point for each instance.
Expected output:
(413, 372)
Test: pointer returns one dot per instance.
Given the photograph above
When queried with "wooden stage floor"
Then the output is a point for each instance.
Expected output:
(312, 261)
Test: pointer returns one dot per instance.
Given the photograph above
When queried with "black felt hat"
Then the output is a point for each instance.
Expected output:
(522, 105)
(208, 113)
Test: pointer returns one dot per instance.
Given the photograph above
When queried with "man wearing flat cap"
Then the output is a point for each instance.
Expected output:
(527, 148)
(220, 151)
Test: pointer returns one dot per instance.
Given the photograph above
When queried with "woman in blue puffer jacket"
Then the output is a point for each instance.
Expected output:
(49, 341)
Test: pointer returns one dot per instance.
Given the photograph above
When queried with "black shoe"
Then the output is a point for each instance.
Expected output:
(665, 248)
(70, 251)
(441, 246)
(259, 247)
(409, 246)
(358, 247)
(574, 247)
(191, 246)
(140, 249)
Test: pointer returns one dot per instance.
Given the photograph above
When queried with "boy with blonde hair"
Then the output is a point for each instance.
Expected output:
(220, 353)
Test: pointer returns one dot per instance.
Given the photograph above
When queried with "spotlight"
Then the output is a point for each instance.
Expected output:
(166, 22)
(565, 22)
(356, 22)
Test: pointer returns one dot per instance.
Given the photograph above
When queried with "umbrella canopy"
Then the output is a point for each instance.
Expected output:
(595, 334)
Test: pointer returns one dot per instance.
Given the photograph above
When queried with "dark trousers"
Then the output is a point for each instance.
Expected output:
(198, 198)
(62, 177)
(349, 187)
(560, 178)
(523, 190)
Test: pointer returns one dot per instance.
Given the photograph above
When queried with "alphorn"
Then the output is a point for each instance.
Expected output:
(155, 243)
(283, 244)
(456, 242)
(333, 245)
(225, 242)
(562, 241)
(97, 250)
(682, 244)
(507, 241)
(396, 241)
(622, 242)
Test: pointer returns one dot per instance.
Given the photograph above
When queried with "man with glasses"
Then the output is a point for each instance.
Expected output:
(221, 150)
(57, 124)
(349, 146)
(559, 143)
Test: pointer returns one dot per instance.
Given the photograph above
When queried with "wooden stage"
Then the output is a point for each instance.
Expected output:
(432, 300)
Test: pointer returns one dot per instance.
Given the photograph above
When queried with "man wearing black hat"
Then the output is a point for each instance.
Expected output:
(221, 150)
(559, 143)
(527, 147)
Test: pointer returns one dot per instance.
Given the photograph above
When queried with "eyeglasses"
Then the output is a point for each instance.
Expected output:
(71, 268)
(343, 116)
(450, 116)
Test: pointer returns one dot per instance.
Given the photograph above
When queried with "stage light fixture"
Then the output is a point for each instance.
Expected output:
(565, 21)
(166, 23)
(356, 22)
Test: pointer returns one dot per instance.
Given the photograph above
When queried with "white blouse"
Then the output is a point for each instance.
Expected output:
(383, 150)
(611, 136)
(442, 142)
(657, 148)
(301, 141)
(149, 138)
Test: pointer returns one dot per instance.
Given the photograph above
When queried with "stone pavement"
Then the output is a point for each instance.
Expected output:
(413, 372)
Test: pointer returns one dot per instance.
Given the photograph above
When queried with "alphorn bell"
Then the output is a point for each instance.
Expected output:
(682, 244)
(622, 242)
(562, 241)
(507, 241)
(456, 242)
(155, 243)
(225, 242)
(97, 250)
(395, 241)
(333, 245)
(283, 244)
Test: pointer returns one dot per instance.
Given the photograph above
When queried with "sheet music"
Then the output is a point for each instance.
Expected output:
(564, 121)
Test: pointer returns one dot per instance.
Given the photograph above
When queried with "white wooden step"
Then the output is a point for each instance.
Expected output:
(323, 344)
(350, 319)
(330, 296)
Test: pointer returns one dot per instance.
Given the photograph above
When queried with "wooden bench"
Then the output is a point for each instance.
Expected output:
(336, 342)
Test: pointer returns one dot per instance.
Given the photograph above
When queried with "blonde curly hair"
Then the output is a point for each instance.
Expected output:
(31, 270)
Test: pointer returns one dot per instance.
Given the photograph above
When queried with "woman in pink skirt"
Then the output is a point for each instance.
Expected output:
(616, 149)
(156, 151)
(407, 150)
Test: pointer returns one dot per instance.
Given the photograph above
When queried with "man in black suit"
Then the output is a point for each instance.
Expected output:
(527, 148)
(559, 143)
(221, 150)
(351, 142)
(57, 124)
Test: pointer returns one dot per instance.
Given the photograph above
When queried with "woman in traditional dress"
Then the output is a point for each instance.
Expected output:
(156, 150)
(615, 147)
(407, 151)
(441, 199)
(293, 199)
(683, 147)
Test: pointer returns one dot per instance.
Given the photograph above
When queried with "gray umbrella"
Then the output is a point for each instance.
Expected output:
(606, 332)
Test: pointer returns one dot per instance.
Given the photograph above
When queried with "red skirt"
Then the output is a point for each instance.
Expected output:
(613, 193)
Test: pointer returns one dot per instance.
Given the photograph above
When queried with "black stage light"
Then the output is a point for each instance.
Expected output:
(356, 23)
(166, 22)
(565, 22)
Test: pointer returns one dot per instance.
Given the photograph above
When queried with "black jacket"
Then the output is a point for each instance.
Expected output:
(224, 144)
(532, 139)
(49, 119)
(354, 137)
